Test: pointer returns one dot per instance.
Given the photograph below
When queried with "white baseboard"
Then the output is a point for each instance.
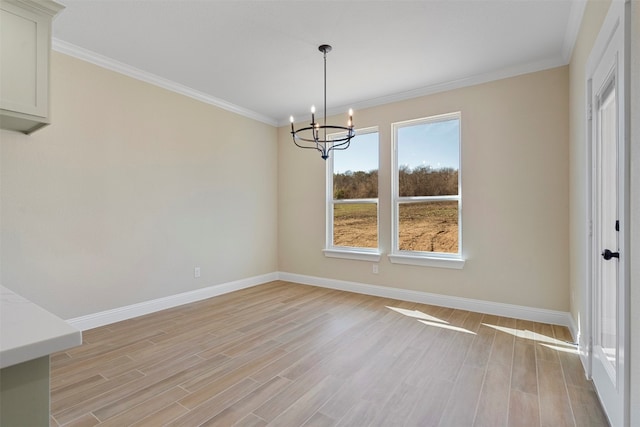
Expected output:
(500, 309)
(128, 312)
(541, 315)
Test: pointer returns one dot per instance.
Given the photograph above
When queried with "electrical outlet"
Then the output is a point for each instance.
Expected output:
(196, 272)
(375, 269)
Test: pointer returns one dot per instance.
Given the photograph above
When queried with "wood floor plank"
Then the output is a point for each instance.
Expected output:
(355, 385)
(215, 404)
(572, 369)
(320, 420)
(200, 391)
(79, 386)
(304, 408)
(396, 370)
(251, 420)
(524, 375)
(493, 407)
(251, 401)
(502, 349)
(524, 410)
(321, 354)
(586, 407)
(480, 351)
(289, 354)
(86, 420)
(524, 330)
(431, 404)
(163, 416)
(433, 356)
(400, 403)
(463, 400)
(562, 334)
(279, 403)
(454, 356)
(117, 398)
(361, 414)
(145, 409)
(61, 402)
(555, 407)
(232, 364)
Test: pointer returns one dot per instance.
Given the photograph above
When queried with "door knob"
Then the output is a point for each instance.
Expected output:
(607, 254)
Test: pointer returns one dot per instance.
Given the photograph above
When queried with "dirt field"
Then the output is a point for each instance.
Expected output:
(431, 227)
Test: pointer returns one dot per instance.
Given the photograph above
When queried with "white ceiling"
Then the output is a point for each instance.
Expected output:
(260, 58)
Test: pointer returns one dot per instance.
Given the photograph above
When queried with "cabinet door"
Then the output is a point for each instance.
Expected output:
(24, 45)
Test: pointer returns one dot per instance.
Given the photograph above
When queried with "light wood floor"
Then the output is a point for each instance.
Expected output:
(294, 355)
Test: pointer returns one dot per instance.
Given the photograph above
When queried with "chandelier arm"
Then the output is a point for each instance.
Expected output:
(341, 146)
(305, 146)
(323, 151)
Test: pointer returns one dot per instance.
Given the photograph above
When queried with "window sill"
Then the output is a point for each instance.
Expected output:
(427, 261)
(372, 256)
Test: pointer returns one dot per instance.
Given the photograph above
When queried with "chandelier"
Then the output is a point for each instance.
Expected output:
(314, 136)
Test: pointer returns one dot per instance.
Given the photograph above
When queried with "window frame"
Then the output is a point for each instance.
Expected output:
(350, 252)
(423, 258)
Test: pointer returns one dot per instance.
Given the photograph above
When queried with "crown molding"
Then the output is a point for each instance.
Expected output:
(573, 28)
(127, 70)
(49, 7)
(122, 68)
(472, 80)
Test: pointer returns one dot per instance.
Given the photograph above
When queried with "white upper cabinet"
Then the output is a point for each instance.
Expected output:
(25, 44)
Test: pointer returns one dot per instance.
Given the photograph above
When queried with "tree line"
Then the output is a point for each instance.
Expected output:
(419, 181)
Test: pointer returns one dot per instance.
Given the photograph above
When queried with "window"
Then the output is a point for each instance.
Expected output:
(426, 192)
(352, 199)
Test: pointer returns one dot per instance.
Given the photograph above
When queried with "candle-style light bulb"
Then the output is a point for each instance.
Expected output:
(313, 114)
(350, 121)
(291, 120)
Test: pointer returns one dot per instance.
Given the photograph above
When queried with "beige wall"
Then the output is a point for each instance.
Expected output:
(129, 189)
(594, 14)
(515, 191)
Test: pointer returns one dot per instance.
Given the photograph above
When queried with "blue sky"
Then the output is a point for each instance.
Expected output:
(362, 155)
(429, 144)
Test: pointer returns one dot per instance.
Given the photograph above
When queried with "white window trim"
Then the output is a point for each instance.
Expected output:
(427, 259)
(345, 252)
(358, 254)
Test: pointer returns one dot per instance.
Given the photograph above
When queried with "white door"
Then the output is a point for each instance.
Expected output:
(608, 290)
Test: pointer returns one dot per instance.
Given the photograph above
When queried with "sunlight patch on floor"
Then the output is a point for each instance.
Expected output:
(543, 340)
(429, 320)
(572, 349)
(446, 326)
(523, 333)
(416, 314)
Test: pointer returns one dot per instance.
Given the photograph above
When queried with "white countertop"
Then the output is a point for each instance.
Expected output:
(27, 331)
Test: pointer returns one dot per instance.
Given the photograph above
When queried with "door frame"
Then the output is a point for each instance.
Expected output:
(617, 19)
